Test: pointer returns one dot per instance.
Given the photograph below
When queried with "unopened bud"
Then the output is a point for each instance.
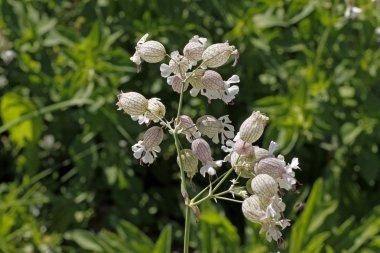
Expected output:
(264, 186)
(153, 137)
(151, 51)
(156, 109)
(132, 103)
(194, 49)
(208, 125)
(271, 166)
(218, 54)
(202, 150)
(189, 162)
(253, 127)
(213, 80)
(252, 208)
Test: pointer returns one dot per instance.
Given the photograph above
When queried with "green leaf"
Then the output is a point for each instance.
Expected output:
(86, 240)
(13, 106)
(163, 244)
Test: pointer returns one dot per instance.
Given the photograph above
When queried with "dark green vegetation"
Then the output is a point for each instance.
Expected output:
(69, 182)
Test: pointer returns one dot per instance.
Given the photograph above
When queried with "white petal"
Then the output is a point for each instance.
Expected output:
(233, 79)
(143, 39)
(165, 70)
(273, 147)
(136, 58)
(194, 92)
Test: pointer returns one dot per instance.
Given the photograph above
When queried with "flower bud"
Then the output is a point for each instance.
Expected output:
(156, 109)
(153, 137)
(243, 148)
(244, 165)
(212, 80)
(253, 209)
(217, 54)
(202, 150)
(208, 125)
(132, 103)
(264, 186)
(189, 162)
(176, 84)
(151, 51)
(194, 49)
(253, 127)
(271, 166)
(196, 79)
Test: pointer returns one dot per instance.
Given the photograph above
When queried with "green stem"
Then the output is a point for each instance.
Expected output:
(44, 110)
(186, 239)
(228, 199)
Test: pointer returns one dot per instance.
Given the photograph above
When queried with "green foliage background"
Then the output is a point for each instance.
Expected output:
(69, 182)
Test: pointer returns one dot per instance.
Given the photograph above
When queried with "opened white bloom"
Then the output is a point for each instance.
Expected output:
(352, 12)
(273, 147)
(147, 149)
(177, 65)
(230, 92)
(288, 178)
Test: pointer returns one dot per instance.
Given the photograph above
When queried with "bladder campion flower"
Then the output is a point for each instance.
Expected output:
(264, 173)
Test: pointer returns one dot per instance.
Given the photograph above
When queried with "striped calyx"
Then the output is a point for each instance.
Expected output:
(156, 109)
(261, 153)
(218, 54)
(177, 84)
(196, 79)
(271, 166)
(194, 50)
(253, 127)
(242, 148)
(202, 150)
(132, 103)
(212, 80)
(208, 125)
(151, 51)
(244, 164)
(264, 186)
(186, 125)
(189, 162)
(153, 137)
(252, 208)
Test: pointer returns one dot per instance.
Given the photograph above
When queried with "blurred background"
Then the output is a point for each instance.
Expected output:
(68, 179)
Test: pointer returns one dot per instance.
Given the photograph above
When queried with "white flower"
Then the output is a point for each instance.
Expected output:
(227, 132)
(141, 119)
(209, 167)
(352, 12)
(136, 56)
(230, 91)
(146, 155)
(273, 147)
(288, 178)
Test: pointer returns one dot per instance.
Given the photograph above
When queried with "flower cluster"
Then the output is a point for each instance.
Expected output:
(196, 68)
